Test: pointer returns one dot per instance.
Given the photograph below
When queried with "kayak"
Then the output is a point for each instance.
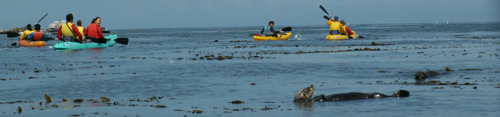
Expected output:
(78, 45)
(279, 37)
(31, 43)
(338, 37)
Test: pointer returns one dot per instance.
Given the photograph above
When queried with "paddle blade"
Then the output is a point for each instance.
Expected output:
(360, 36)
(287, 29)
(123, 41)
(98, 40)
(327, 18)
(322, 8)
(105, 31)
(13, 44)
(11, 34)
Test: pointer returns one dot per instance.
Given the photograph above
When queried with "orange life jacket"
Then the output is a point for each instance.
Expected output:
(37, 35)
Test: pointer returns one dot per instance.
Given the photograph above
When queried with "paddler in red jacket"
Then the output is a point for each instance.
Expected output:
(94, 29)
(35, 36)
(67, 33)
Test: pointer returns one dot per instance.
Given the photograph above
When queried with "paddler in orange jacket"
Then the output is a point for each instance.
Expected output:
(335, 26)
(35, 36)
(67, 33)
(27, 32)
(94, 29)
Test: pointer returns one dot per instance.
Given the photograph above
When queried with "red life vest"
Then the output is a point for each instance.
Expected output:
(94, 30)
(37, 35)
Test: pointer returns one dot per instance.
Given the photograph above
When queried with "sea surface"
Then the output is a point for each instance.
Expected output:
(178, 71)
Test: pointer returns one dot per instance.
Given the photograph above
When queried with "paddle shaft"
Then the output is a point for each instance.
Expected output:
(42, 18)
(322, 8)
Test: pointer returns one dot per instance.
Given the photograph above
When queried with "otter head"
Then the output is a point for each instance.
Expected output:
(401, 93)
(304, 95)
(420, 76)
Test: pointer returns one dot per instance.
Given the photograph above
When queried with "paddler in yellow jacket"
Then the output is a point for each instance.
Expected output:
(335, 26)
(69, 31)
(27, 32)
(82, 30)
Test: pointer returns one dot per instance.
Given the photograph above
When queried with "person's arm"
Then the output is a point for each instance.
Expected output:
(75, 29)
(329, 22)
(85, 31)
(59, 34)
(31, 36)
(279, 31)
(45, 35)
(348, 30)
(99, 31)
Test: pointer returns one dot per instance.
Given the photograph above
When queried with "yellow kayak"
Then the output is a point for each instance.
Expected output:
(279, 37)
(338, 37)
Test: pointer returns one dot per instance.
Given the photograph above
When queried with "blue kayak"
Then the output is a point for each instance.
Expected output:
(77, 45)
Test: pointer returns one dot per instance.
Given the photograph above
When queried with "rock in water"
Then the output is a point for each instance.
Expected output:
(47, 98)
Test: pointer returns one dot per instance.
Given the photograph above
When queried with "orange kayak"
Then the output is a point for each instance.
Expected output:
(31, 43)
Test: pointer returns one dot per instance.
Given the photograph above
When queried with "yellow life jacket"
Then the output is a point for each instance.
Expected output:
(343, 27)
(26, 33)
(65, 30)
(80, 28)
(335, 26)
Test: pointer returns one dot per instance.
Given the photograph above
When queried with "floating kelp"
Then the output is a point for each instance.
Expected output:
(236, 102)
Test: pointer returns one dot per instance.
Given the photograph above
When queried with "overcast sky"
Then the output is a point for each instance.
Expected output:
(133, 14)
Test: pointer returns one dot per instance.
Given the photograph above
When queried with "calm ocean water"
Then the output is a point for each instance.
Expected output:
(167, 63)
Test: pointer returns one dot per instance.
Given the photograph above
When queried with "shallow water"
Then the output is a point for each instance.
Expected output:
(166, 63)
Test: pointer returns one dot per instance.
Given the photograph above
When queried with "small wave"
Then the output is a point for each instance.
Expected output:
(297, 36)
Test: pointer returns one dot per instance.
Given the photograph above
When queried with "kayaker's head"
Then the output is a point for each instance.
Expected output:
(29, 27)
(37, 27)
(69, 18)
(98, 20)
(342, 22)
(271, 23)
(79, 22)
(335, 18)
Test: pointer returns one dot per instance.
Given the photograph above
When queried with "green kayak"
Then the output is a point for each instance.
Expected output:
(77, 45)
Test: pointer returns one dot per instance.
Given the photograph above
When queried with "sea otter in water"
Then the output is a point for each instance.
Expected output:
(305, 95)
(421, 76)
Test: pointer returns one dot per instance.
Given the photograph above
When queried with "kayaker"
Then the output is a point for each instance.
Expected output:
(82, 30)
(67, 33)
(27, 32)
(347, 29)
(335, 26)
(269, 30)
(94, 29)
(35, 36)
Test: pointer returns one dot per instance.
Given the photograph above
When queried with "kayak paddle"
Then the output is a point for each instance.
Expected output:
(287, 29)
(123, 41)
(322, 8)
(12, 34)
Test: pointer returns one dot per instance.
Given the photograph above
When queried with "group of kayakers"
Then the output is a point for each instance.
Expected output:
(68, 31)
(336, 28)
(73, 33)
